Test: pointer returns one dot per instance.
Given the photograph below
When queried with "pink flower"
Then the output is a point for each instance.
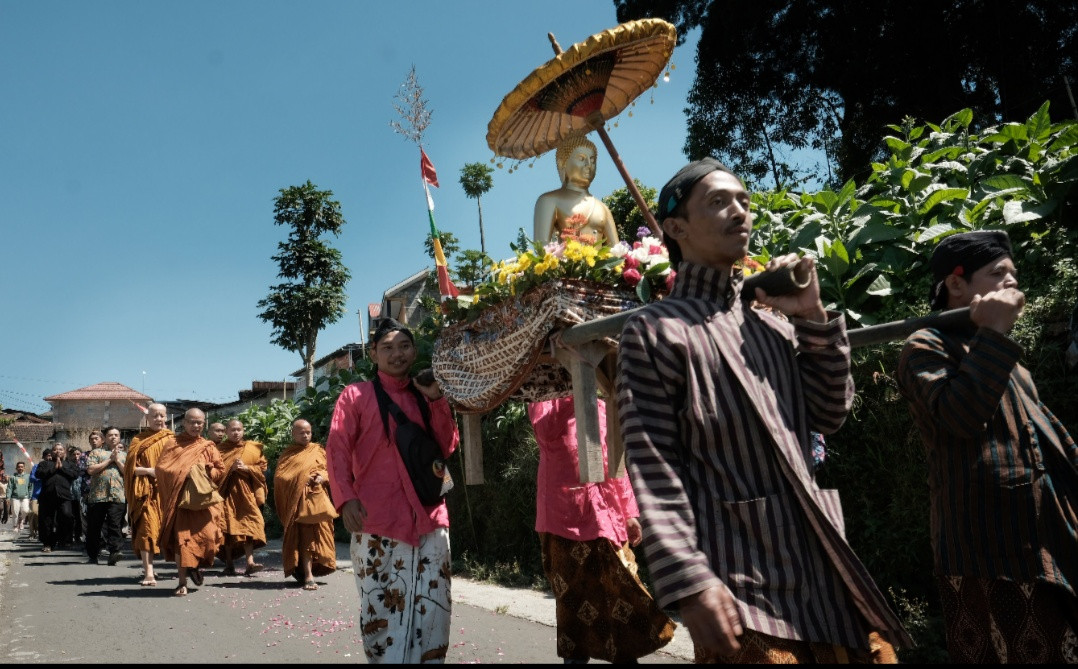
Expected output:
(655, 250)
(636, 245)
(631, 277)
(631, 262)
(670, 280)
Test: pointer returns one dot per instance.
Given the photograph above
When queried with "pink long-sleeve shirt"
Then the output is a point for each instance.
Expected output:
(364, 463)
(563, 505)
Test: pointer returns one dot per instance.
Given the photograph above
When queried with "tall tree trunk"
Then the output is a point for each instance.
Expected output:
(308, 361)
(482, 239)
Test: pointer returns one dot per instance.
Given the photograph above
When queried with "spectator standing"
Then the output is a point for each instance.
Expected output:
(108, 503)
(5, 507)
(81, 487)
(35, 497)
(57, 473)
(19, 491)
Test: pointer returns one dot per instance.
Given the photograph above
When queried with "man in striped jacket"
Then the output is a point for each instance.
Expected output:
(716, 400)
(1002, 470)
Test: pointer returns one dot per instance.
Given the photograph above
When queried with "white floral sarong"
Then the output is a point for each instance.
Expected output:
(405, 598)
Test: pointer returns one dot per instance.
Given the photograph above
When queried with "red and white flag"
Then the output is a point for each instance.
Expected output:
(141, 408)
(445, 284)
(426, 168)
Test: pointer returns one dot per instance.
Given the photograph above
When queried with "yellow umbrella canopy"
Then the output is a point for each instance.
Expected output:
(581, 88)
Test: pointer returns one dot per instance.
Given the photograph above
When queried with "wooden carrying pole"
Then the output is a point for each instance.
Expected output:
(582, 368)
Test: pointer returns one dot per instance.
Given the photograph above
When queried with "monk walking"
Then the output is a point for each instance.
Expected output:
(307, 550)
(244, 490)
(140, 486)
(189, 537)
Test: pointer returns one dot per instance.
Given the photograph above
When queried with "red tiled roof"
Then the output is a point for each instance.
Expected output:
(109, 390)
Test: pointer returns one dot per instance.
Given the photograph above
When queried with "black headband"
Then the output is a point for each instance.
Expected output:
(677, 191)
(962, 255)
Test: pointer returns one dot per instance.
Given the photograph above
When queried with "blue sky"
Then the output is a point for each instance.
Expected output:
(142, 145)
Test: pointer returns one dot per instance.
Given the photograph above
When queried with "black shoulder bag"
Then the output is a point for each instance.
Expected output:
(421, 454)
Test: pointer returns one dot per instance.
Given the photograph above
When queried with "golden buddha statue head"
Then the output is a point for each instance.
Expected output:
(569, 148)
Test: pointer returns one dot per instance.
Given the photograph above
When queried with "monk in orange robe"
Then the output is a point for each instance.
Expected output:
(189, 537)
(244, 490)
(140, 486)
(307, 550)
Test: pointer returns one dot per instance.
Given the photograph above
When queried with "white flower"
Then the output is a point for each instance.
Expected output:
(620, 250)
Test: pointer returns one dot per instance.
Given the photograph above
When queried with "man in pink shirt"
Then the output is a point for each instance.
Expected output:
(400, 548)
(586, 530)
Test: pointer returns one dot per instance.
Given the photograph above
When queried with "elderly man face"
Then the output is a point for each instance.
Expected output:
(156, 418)
(193, 422)
(301, 432)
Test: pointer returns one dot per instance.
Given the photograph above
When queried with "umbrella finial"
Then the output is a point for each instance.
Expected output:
(554, 43)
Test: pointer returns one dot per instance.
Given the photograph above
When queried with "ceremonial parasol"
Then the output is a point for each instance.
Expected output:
(580, 89)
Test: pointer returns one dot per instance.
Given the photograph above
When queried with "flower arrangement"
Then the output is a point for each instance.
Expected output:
(642, 267)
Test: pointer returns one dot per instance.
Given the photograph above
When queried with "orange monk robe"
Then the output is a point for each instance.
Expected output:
(143, 504)
(295, 466)
(189, 538)
(241, 517)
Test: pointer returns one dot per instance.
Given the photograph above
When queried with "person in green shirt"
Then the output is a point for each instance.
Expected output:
(18, 493)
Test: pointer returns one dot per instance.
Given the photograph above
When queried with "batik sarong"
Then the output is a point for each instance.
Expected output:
(404, 596)
(997, 621)
(759, 648)
(603, 610)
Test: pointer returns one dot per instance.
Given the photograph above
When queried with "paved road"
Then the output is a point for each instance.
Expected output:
(56, 608)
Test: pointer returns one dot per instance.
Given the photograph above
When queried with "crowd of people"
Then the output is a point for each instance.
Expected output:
(99, 499)
(721, 401)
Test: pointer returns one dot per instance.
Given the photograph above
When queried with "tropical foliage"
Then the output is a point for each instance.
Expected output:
(873, 239)
(777, 77)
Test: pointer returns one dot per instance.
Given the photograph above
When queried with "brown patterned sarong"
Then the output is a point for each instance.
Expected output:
(997, 621)
(759, 648)
(603, 610)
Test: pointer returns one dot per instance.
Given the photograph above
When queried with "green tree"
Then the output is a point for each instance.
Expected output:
(627, 216)
(472, 266)
(476, 180)
(312, 295)
(777, 76)
(450, 244)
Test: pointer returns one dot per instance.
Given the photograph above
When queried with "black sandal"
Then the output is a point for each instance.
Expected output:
(196, 576)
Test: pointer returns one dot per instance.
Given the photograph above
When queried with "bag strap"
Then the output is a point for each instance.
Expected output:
(387, 406)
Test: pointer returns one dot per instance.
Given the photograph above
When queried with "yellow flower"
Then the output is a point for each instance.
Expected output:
(574, 250)
(589, 252)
